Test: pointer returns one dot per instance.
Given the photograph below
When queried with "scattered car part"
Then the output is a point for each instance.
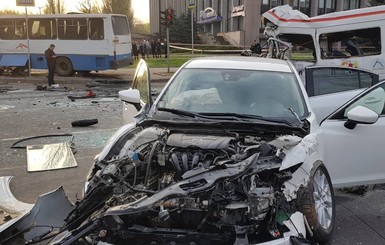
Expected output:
(15, 145)
(35, 222)
(84, 123)
(50, 157)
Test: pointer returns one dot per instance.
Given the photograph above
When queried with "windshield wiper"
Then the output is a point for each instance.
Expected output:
(179, 112)
(242, 117)
(231, 115)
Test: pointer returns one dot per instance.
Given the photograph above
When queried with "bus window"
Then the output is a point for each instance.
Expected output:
(12, 29)
(42, 29)
(344, 44)
(120, 25)
(95, 25)
(20, 29)
(72, 29)
(303, 46)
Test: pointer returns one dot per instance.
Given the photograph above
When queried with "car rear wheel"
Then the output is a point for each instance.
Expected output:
(64, 67)
(317, 204)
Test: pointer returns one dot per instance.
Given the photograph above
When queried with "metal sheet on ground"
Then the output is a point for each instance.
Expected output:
(50, 157)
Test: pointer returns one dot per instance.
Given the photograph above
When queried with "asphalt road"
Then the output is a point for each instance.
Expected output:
(25, 112)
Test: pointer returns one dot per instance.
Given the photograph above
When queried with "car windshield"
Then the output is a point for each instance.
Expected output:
(264, 94)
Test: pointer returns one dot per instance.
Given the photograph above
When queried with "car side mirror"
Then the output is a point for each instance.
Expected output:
(360, 114)
(131, 96)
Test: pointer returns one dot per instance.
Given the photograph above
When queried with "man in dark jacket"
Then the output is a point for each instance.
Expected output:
(50, 56)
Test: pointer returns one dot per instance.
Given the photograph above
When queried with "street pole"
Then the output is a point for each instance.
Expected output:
(192, 31)
(168, 50)
(29, 51)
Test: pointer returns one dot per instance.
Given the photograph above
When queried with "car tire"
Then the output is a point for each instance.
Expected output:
(317, 203)
(64, 67)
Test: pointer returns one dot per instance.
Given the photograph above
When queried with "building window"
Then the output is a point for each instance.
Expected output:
(266, 5)
(326, 6)
(351, 4)
(302, 5)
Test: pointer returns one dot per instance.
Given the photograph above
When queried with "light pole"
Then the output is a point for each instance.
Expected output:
(191, 6)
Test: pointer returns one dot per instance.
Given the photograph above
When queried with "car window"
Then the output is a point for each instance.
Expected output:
(373, 100)
(333, 80)
(141, 81)
(262, 93)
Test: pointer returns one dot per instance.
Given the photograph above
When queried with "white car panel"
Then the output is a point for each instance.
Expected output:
(324, 105)
(352, 149)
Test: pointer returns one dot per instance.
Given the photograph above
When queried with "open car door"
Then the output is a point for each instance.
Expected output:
(351, 140)
(138, 96)
(329, 87)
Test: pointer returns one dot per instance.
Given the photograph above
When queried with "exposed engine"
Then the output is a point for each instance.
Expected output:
(186, 189)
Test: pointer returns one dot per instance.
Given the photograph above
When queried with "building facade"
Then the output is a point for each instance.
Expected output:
(239, 22)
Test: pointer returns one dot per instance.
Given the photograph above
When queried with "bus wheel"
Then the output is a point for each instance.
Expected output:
(64, 67)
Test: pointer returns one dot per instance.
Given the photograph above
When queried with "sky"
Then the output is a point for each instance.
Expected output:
(141, 7)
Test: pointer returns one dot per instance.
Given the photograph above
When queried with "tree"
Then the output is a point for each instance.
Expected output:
(140, 27)
(119, 7)
(88, 6)
(54, 7)
(376, 2)
(180, 30)
(9, 12)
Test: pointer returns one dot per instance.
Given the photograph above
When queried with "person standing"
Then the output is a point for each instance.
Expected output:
(158, 49)
(148, 48)
(165, 48)
(135, 50)
(50, 56)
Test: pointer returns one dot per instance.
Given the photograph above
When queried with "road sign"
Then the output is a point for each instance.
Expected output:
(191, 4)
(25, 3)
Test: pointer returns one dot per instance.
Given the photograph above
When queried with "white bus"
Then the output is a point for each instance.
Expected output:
(351, 38)
(84, 42)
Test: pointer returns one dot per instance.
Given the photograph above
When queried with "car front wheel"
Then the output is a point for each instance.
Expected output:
(317, 204)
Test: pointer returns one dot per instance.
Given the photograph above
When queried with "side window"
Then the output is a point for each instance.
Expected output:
(42, 28)
(373, 100)
(303, 46)
(344, 44)
(96, 30)
(141, 81)
(333, 80)
(72, 29)
(12, 29)
(120, 25)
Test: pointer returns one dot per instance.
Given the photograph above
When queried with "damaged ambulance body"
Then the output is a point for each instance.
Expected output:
(351, 38)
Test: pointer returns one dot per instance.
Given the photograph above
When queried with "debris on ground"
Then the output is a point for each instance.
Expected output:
(84, 123)
(89, 94)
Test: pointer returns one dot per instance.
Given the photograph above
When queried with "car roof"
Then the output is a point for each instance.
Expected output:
(240, 63)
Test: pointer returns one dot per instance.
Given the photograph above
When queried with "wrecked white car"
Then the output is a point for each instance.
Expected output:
(228, 153)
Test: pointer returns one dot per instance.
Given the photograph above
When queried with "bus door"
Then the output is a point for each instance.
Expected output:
(122, 42)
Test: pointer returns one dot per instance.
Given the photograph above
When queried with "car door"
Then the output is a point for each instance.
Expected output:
(352, 147)
(138, 96)
(330, 87)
